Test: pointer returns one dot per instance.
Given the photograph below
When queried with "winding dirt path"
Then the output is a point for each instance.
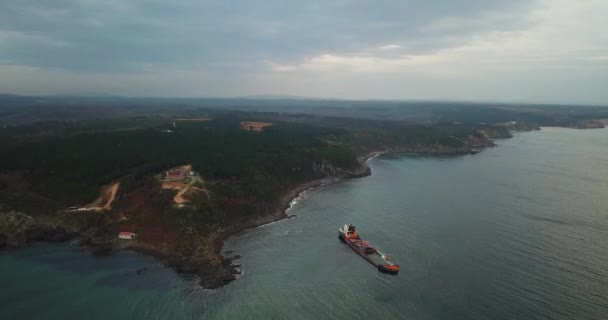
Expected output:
(113, 191)
(107, 195)
(179, 197)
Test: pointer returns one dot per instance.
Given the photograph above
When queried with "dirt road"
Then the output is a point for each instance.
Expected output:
(105, 199)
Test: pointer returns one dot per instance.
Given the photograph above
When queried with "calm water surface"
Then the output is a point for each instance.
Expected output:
(516, 232)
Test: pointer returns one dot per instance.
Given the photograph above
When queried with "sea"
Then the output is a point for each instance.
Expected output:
(518, 231)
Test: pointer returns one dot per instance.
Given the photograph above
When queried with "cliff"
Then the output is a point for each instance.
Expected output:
(519, 126)
(589, 124)
(494, 132)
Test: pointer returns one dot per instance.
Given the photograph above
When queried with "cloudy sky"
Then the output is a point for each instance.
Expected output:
(492, 50)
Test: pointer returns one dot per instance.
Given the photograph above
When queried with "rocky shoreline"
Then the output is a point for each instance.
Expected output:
(18, 229)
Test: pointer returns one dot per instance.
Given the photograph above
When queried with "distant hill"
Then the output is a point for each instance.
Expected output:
(15, 109)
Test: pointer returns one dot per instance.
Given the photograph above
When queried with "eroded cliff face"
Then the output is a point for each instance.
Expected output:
(494, 132)
(17, 229)
(324, 169)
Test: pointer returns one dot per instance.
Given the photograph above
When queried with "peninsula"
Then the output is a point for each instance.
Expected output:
(176, 183)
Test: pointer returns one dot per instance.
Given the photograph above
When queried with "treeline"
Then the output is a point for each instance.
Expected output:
(377, 134)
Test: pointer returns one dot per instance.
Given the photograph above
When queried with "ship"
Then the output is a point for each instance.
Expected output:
(349, 235)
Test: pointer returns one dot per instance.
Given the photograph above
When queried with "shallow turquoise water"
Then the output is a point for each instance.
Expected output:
(516, 232)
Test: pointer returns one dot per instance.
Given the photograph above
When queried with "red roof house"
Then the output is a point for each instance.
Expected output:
(127, 235)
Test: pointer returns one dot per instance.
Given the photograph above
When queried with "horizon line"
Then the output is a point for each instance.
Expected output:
(261, 97)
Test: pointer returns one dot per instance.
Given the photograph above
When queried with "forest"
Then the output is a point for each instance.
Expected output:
(69, 169)
(53, 165)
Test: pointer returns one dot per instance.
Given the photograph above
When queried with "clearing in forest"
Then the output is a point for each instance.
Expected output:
(254, 125)
(182, 179)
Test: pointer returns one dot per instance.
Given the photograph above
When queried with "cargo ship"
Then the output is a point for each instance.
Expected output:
(348, 234)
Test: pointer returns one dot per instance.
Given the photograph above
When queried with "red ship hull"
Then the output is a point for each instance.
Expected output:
(364, 250)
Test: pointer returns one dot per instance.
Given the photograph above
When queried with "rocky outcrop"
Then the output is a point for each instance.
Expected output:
(212, 279)
(14, 227)
(17, 229)
(211, 276)
(328, 170)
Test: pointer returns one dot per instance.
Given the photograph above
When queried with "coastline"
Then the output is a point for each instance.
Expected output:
(215, 277)
(297, 264)
(210, 276)
(225, 271)
(286, 201)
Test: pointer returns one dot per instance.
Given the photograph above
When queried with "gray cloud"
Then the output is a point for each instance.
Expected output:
(540, 50)
(113, 35)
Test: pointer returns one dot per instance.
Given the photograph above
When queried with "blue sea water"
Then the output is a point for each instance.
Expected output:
(519, 231)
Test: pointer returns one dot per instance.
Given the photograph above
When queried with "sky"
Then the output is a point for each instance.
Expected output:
(475, 50)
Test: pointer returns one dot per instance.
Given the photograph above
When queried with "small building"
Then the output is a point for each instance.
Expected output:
(127, 235)
(175, 175)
